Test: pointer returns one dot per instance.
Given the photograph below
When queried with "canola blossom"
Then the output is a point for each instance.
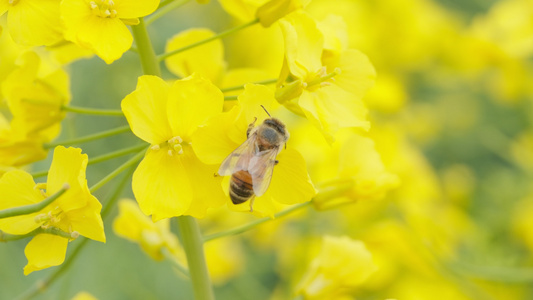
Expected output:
(171, 180)
(100, 25)
(266, 149)
(75, 213)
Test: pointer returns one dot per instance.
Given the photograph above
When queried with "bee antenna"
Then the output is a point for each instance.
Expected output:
(266, 110)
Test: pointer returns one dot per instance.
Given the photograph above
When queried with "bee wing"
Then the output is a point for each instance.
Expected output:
(238, 159)
(261, 167)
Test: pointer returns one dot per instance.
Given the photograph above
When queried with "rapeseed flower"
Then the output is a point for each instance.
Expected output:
(75, 212)
(100, 25)
(35, 91)
(171, 180)
(325, 86)
(341, 266)
(154, 238)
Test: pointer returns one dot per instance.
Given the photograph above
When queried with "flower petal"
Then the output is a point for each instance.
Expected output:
(290, 182)
(35, 22)
(87, 220)
(303, 44)
(211, 143)
(44, 251)
(74, 14)
(357, 73)
(131, 222)
(18, 189)
(129, 9)
(192, 101)
(207, 192)
(252, 98)
(146, 110)
(206, 60)
(68, 167)
(4, 6)
(331, 108)
(161, 185)
(109, 38)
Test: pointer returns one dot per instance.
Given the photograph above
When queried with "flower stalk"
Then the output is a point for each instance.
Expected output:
(132, 161)
(89, 138)
(147, 55)
(164, 8)
(32, 208)
(92, 111)
(199, 43)
(194, 249)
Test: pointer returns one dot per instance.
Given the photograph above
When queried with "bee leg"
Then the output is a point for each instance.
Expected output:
(250, 127)
(276, 162)
(252, 204)
(215, 175)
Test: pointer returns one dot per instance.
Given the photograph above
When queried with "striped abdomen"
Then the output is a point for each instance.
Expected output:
(241, 187)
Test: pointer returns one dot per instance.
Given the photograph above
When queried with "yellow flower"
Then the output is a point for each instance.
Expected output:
(100, 25)
(224, 133)
(17, 149)
(33, 22)
(341, 265)
(171, 180)
(325, 86)
(35, 92)
(153, 238)
(75, 211)
(361, 167)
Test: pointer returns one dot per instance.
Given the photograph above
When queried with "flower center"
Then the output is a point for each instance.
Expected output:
(322, 78)
(102, 8)
(51, 219)
(175, 145)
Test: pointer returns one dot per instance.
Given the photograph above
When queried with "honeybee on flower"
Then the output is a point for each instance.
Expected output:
(251, 165)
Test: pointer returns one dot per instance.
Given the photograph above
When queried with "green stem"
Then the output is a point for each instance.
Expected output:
(164, 3)
(194, 249)
(91, 137)
(92, 111)
(116, 154)
(132, 161)
(149, 61)
(39, 174)
(163, 9)
(199, 43)
(255, 223)
(230, 98)
(240, 87)
(489, 273)
(40, 286)
(4, 237)
(32, 208)
(101, 158)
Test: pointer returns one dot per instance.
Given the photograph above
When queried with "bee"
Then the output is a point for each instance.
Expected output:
(251, 165)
